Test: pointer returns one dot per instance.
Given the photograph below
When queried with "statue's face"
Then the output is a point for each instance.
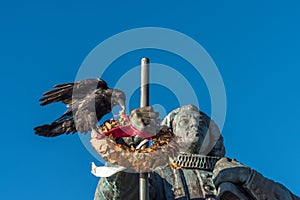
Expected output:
(186, 128)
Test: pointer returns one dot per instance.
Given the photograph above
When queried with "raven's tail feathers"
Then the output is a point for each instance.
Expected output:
(56, 128)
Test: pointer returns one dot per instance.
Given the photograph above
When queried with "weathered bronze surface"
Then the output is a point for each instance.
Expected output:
(187, 163)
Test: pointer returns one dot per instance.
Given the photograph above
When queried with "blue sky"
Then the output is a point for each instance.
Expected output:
(255, 46)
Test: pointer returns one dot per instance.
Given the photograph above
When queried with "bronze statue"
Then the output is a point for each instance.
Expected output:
(199, 170)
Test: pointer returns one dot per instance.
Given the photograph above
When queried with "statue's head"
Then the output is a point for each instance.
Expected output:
(196, 132)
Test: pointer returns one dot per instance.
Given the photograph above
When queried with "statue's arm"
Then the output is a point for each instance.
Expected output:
(261, 187)
(255, 184)
(109, 188)
(126, 186)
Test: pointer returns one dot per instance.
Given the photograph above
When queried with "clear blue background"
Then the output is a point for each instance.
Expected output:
(255, 45)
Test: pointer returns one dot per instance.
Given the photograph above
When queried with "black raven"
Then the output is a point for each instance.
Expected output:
(87, 101)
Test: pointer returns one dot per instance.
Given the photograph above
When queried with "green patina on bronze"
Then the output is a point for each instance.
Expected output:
(194, 171)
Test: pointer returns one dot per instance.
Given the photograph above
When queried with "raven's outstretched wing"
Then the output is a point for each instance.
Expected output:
(79, 90)
(88, 101)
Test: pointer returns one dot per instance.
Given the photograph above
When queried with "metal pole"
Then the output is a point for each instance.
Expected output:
(144, 191)
(144, 82)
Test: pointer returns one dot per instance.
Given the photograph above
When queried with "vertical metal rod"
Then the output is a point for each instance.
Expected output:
(144, 191)
(144, 82)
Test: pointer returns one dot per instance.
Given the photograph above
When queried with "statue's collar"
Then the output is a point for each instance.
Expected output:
(195, 161)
